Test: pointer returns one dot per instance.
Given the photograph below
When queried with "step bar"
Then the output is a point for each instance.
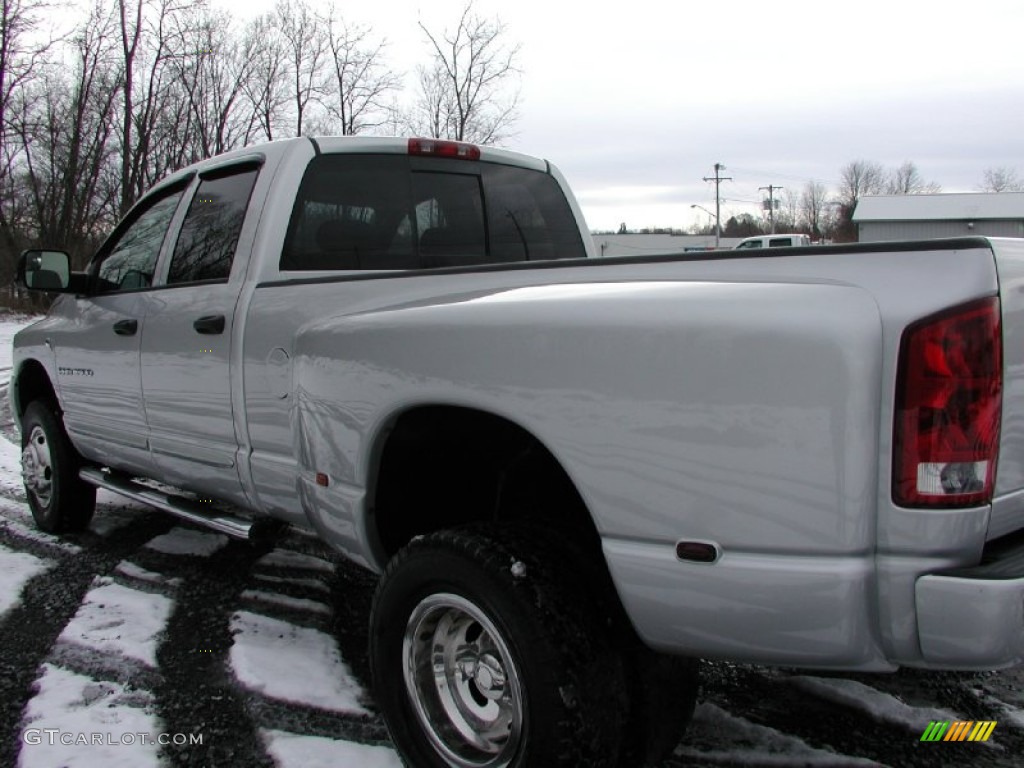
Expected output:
(179, 506)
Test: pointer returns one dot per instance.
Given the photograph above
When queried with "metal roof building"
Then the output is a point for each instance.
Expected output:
(913, 217)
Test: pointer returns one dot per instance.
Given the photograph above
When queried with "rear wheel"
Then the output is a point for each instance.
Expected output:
(59, 500)
(486, 654)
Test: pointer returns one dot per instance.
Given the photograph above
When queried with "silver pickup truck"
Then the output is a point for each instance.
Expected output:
(574, 475)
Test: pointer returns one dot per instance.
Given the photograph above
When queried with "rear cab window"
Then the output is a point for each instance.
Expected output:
(393, 212)
(209, 233)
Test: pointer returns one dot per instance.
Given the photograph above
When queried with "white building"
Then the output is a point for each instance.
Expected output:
(915, 217)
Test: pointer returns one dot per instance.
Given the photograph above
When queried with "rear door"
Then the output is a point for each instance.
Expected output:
(187, 342)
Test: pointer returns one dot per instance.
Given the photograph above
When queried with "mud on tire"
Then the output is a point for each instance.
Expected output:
(59, 501)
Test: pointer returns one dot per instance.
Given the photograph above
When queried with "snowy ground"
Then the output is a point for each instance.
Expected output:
(144, 631)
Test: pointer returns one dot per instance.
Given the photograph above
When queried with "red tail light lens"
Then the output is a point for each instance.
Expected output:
(440, 148)
(948, 403)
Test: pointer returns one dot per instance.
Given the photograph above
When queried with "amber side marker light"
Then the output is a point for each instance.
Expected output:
(948, 408)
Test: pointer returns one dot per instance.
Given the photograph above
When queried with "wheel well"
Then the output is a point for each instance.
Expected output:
(447, 466)
(32, 383)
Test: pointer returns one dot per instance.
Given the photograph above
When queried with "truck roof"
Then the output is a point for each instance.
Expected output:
(353, 144)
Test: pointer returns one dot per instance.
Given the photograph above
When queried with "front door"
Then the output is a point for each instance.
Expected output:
(97, 349)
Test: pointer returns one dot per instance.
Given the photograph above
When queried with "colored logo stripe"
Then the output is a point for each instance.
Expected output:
(959, 730)
(982, 731)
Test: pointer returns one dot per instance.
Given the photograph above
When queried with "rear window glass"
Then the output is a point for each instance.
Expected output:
(209, 233)
(378, 212)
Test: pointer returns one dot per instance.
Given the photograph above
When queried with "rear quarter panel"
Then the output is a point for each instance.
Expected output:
(744, 401)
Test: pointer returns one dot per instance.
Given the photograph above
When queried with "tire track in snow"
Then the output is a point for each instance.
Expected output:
(302, 689)
(196, 693)
(49, 601)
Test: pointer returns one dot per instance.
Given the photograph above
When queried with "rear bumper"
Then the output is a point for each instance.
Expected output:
(973, 618)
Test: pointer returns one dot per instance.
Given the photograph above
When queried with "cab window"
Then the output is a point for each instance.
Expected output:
(131, 259)
(209, 233)
(381, 212)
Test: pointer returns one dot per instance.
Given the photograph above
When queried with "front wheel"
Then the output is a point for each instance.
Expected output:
(59, 500)
(485, 654)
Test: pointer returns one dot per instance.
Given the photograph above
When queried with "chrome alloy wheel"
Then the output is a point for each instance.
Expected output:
(463, 683)
(36, 467)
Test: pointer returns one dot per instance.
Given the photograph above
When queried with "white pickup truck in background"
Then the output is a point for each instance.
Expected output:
(574, 475)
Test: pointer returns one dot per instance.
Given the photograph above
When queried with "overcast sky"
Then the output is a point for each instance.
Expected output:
(636, 102)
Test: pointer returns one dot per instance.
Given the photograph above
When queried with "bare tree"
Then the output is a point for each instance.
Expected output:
(307, 50)
(907, 180)
(1001, 179)
(211, 72)
(361, 82)
(21, 52)
(266, 88)
(469, 91)
(859, 178)
(147, 32)
(813, 208)
(74, 150)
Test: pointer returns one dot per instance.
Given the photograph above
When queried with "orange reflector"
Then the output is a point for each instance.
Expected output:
(322, 479)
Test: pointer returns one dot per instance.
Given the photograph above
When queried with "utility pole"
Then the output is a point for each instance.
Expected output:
(771, 204)
(718, 179)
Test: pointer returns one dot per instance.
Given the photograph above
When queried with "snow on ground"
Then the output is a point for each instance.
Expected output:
(286, 601)
(874, 703)
(186, 541)
(133, 571)
(292, 663)
(114, 721)
(10, 462)
(288, 559)
(119, 620)
(740, 742)
(292, 751)
(16, 518)
(16, 568)
(10, 324)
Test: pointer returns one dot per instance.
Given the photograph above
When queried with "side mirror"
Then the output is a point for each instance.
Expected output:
(40, 270)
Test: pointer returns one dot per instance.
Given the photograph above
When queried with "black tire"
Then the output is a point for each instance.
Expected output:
(530, 644)
(59, 500)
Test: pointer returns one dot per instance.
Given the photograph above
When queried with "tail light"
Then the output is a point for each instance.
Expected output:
(948, 402)
(443, 148)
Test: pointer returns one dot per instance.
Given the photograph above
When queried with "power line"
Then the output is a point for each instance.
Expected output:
(787, 176)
